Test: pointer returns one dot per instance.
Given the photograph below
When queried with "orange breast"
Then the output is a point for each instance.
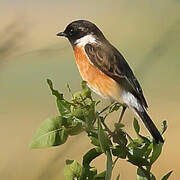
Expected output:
(96, 79)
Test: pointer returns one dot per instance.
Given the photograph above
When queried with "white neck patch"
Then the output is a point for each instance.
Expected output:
(85, 40)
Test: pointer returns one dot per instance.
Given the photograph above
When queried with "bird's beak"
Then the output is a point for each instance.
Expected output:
(61, 34)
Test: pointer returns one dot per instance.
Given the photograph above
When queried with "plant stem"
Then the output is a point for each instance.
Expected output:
(107, 107)
(122, 113)
(147, 175)
(106, 127)
(129, 137)
(115, 162)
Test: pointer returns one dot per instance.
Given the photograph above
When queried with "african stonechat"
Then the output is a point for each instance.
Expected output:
(106, 71)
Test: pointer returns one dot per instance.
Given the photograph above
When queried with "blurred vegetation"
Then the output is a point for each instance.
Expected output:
(147, 34)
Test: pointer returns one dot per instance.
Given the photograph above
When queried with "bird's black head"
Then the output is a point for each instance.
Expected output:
(79, 29)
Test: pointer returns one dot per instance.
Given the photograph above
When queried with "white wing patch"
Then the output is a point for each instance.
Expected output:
(88, 39)
(131, 101)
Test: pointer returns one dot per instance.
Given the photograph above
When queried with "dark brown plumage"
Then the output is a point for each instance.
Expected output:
(106, 71)
(113, 64)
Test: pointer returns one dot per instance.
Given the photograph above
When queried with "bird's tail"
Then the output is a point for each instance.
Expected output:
(149, 125)
(140, 110)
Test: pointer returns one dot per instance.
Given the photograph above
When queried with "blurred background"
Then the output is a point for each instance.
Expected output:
(148, 35)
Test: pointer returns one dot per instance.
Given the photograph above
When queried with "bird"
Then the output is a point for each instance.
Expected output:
(106, 71)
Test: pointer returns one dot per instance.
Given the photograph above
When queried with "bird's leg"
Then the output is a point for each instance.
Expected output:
(122, 113)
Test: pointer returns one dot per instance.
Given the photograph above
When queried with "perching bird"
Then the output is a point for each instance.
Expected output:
(106, 71)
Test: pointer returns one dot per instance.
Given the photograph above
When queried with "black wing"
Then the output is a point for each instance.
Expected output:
(112, 63)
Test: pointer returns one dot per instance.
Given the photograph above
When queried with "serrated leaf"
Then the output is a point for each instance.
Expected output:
(136, 126)
(54, 92)
(157, 149)
(72, 170)
(105, 142)
(62, 104)
(167, 176)
(108, 166)
(50, 133)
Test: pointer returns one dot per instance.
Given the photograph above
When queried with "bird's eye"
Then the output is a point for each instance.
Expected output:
(71, 31)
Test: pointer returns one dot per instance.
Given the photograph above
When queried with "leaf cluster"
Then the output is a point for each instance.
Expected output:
(79, 115)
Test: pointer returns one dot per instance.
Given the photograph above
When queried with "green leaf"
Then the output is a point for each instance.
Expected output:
(120, 152)
(142, 150)
(91, 155)
(140, 175)
(136, 126)
(63, 105)
(86, 92)
(163, 127)
(114, 107)
(89, 173)
(138, 161)
(50, 133)
(105, 142)
(72, 170)
(75, 128)
(152, 176)
(90, 115)
(148, 151)
(118, 126)
(78, 112)
(157, 149)
(93, 136)
(119, 137)
(108, 166)
(100, 176)
(64, 108)
(54, 92)
(117, 178)
(167, 176)
(94, 140)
